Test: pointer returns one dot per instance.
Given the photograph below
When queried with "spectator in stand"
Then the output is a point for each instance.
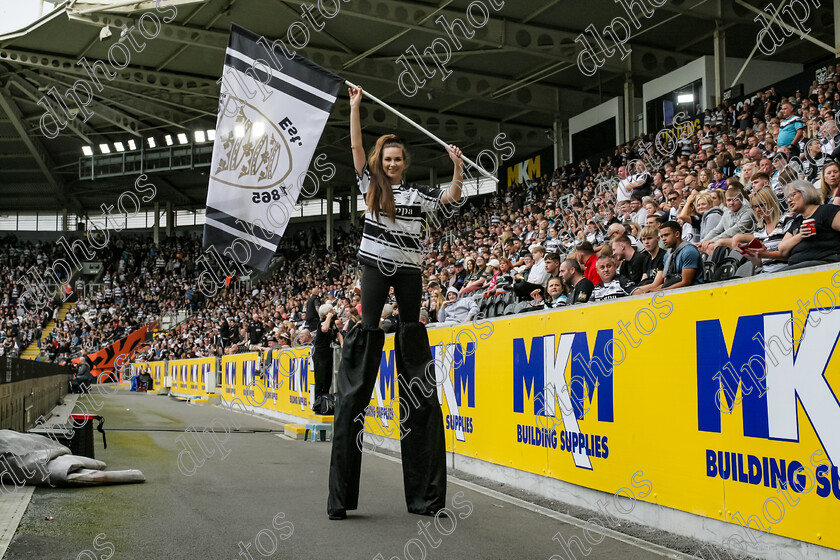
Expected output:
(556, 293)
(322, 358)
(455, 311)
(460, 275)
(585, 255)
(738, 218)
(537, 276)
(790, 129)
(611, 286)
(479, 277)
(580, 287)
(829, 183)
(771, 231)
(654, 256)
(389, 320)
(813, 237)
(630, 261)
(683, 264)
(503, 280)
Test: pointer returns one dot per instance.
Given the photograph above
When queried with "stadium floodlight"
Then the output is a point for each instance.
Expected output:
(182, 138)
(119, 146)
(168, 139)
(259, 129)
(686, 98)
(87, 150)
(239, 131)
(199, 136)
(105, 148)
(211, 134)
(132, 145)
(151, 142)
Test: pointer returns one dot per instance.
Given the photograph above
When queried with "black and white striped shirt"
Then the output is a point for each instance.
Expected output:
(397, 245)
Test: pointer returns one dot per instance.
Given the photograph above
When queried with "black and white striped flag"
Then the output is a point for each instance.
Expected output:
(272, 112)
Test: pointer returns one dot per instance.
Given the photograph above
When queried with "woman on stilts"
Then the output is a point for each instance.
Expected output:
(391, 255)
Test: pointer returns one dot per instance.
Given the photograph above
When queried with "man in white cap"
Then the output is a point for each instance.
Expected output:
(455, 311)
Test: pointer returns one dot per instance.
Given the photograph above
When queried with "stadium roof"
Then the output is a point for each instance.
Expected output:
(517, 74)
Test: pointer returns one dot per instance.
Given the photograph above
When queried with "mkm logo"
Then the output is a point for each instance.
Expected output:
(299, 379)
(454, 378)
(542, 378)
(771, 376)
(524, 171)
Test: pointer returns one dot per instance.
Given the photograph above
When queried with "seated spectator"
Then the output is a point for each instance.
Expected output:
(816, 242)
(580, 288)
(738, 218)
(612, 286)
(653, 254)
(145, 381)
(829, 183)
(479, 278)
(631, 262)
(83, 379)
(503, 280)
(455, 311)
(770, 232)
(683, 264)
(538, 276)
(389, 321)
(556, 293)
(701, 208)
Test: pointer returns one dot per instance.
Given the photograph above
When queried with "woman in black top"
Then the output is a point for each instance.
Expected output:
(391, 255)
(800, 246)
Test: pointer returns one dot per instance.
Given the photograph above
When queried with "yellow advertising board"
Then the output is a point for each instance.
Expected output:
(156, 370)
(721, 402)
(189, 377)
(280, 383)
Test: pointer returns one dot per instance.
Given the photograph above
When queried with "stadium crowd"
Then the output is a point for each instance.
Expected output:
(653, 215)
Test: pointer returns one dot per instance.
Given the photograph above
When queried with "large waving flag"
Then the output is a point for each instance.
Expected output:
(272, 112)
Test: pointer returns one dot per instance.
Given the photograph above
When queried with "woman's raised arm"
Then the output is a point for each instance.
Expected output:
(356, 146)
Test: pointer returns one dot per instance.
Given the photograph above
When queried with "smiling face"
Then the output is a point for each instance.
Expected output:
(393, 164)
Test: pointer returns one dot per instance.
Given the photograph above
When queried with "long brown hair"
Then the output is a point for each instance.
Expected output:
(826, 190)
(380, 196)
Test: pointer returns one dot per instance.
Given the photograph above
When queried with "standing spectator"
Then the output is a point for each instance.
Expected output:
(322, 358)
(654, 256)
(585, 254)
(631, 262)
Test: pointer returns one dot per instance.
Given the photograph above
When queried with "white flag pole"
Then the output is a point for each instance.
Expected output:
(424, 131)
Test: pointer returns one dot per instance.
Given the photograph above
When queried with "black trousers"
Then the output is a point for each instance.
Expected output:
(408, 288)
(422, 440)
(322, 360)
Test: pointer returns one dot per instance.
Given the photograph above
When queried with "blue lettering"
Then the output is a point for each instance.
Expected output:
(721, 371)
(596, 372)
(465, 373)
(528, 375)
(386, 374)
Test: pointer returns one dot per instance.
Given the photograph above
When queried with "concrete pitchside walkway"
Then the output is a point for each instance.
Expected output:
(267, 499)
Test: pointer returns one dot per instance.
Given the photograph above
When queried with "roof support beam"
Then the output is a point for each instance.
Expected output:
(42, 158)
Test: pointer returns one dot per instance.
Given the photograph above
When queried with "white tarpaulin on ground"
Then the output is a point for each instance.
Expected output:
(39, 461)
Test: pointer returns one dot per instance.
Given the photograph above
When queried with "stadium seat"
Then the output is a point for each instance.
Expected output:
(746, 270)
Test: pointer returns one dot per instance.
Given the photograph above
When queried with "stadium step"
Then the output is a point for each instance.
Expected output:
(33, 351)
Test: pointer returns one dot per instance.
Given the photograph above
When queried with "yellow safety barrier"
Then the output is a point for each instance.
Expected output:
(725, 398)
